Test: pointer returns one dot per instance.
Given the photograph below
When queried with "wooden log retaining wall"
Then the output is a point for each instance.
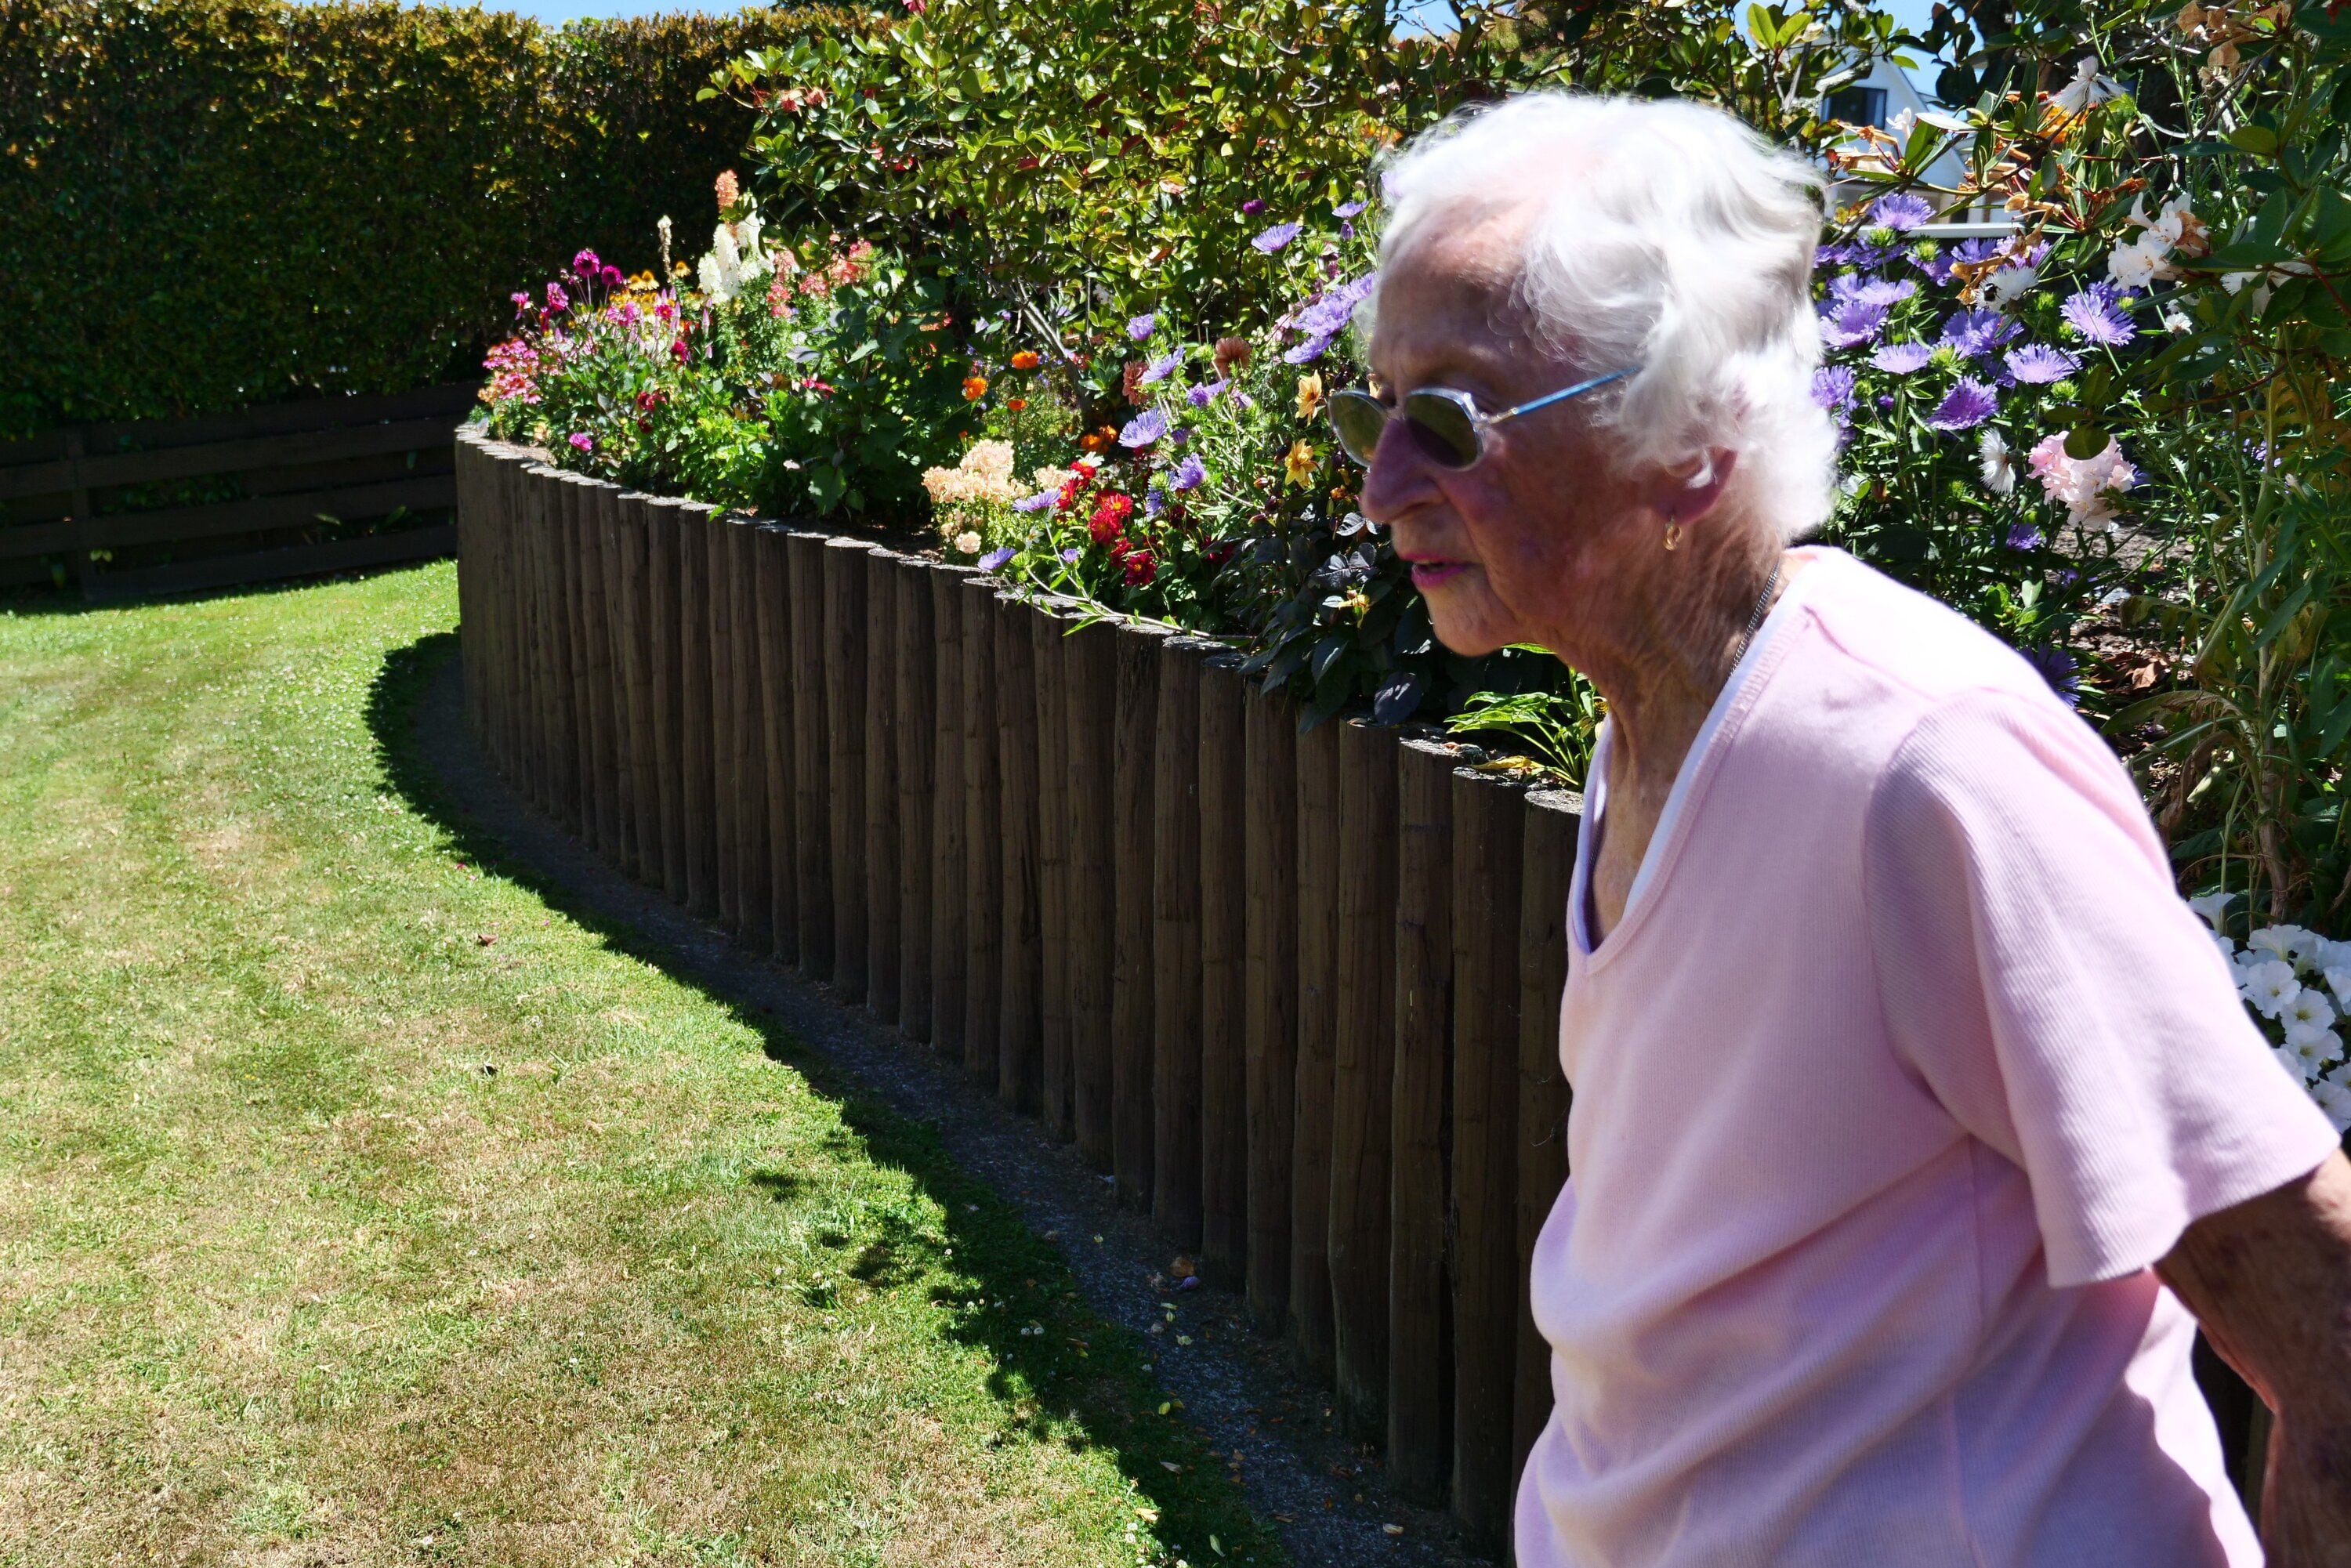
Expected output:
(1297, 994)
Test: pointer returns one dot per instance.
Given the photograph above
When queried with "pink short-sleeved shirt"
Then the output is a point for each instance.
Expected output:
(1903, 1064)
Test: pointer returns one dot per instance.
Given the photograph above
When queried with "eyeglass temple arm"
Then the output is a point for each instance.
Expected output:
(1561, 395)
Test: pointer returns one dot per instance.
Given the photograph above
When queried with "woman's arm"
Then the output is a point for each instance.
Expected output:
(2270, 1281)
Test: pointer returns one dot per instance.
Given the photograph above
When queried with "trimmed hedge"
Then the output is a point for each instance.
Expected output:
(208, 204)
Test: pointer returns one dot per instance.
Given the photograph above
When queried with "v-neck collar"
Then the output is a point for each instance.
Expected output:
(1743, 676)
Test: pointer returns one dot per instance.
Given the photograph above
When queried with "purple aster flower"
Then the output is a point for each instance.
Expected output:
(2097, 315)
(1901, 213)
(1038, 502)
(2024, 536)
(1160, 370)
(2038, 364)
(2056, 666)
(1201, 397)
(1347, 231)
(1885, 400)
(583, 440)
(1179, 435)
(1144, 429)
(1902, 358)
(1071, 556)
(1347, 209)
(1868, 288)
(1976, 333)
(1307, 352)
(1938, 267)
(1251, 207)
(1969, 404)
(995, 558)
(1833, 387)
(1140, 327)
(1189, 475)
(1155, 501)
(1850, 324)
(1274, 238)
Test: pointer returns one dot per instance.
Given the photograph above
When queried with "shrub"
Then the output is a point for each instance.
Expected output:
(205, 203)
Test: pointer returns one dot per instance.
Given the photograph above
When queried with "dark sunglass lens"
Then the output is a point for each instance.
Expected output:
(1443, 428)
(1357, 419)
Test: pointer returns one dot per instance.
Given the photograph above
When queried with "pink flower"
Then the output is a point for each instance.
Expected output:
(2085, 485)
(582, 441)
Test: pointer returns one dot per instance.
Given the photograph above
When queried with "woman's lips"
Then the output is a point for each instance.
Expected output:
(1428, 574)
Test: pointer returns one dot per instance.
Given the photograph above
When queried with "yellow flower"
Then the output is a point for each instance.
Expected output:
(1300, 464)
(1309, 396)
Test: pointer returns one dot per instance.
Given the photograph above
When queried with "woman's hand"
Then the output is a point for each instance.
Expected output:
(2270, 1280)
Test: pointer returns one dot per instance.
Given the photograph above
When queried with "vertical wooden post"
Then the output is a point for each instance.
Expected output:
(1419, 1390)
(1547, 860)
(637, 614)
(726, 751)
(844, 679)
(983, 841)
(1488, 831)
(752, 853)
(1090, 711)
(880, 699)
(915, 630)
(595, 624)
(804, 557)
(1134, 816)
(1224, 990)
(1175, 942)
(1047, 657)
(697, 736)
(1020, 1050)
(669, 691)
(771, 574)
(1269, 857)
(1362, 1072)
(1320, 873)
(580, 685)
(950, 883)
(539, 717)
(559, 756)
(617, 626)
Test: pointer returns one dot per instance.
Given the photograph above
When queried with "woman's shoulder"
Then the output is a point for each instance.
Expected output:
(1928, 655)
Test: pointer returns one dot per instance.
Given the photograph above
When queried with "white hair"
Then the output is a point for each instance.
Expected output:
(1667, 236)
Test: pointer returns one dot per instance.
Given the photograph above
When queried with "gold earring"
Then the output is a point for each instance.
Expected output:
(1672, 533)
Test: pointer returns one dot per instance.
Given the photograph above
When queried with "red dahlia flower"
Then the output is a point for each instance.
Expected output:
(1109, 520)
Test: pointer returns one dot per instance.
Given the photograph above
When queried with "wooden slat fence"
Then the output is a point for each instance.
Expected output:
(117, 510)
(1296, 993)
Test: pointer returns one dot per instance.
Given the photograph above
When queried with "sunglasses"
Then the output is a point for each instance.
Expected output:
(1447, 426)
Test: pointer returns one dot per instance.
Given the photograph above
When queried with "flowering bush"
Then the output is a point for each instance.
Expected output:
(2297, 985)
(810, 378)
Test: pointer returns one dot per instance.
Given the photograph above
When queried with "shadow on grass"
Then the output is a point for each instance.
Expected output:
(1085, 1380)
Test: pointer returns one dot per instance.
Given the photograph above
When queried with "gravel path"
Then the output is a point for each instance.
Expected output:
(1235, 1386)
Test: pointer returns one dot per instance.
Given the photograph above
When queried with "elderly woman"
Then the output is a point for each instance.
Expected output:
(1914, 1115)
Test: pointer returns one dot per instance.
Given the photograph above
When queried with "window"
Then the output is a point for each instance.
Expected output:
(1858, 106)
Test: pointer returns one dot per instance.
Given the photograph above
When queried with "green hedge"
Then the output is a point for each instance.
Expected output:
(207, 203)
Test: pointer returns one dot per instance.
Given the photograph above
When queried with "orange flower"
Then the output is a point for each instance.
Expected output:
(1026, 359)
(1016, 403)
(1092, 442)
(973, 388)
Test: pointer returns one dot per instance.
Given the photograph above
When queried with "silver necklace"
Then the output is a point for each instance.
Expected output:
(1754, 621)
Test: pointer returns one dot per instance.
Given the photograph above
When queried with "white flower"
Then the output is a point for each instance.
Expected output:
(2292, 1061)
(2310, 1009)
(2087, 88)
(2333, 1097)
(2136, 263)
(1901, 122)
(1999, 472)
(2006, 286)
(2333, 954)
(2222, 940)
(2175, 319)
(2267, 986)
(2211, 906)
(967, 543)
(2338, 981)
(2297, 944)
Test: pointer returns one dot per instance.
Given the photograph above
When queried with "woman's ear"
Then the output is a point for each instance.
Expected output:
(1687, 497)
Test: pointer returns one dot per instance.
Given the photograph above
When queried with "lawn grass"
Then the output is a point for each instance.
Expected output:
(357, 1206)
